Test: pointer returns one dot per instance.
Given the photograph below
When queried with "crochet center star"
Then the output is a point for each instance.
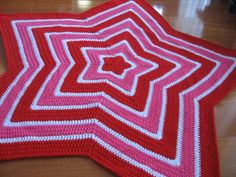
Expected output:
(116, 84)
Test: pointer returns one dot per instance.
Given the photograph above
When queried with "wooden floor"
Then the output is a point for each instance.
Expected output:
(207, 19)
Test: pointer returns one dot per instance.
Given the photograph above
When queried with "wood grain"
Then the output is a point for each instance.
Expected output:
(207, 19)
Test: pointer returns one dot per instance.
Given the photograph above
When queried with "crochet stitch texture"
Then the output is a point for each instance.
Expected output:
(116, 84)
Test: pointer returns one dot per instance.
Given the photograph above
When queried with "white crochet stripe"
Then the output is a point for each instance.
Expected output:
(91, 121)
(88, 136)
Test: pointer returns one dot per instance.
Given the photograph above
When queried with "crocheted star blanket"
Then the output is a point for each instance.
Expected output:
(116, 84)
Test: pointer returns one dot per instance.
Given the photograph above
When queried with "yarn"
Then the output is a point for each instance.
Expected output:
(116, 84)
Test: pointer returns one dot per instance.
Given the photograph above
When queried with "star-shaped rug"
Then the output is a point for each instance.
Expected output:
(116, 84)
